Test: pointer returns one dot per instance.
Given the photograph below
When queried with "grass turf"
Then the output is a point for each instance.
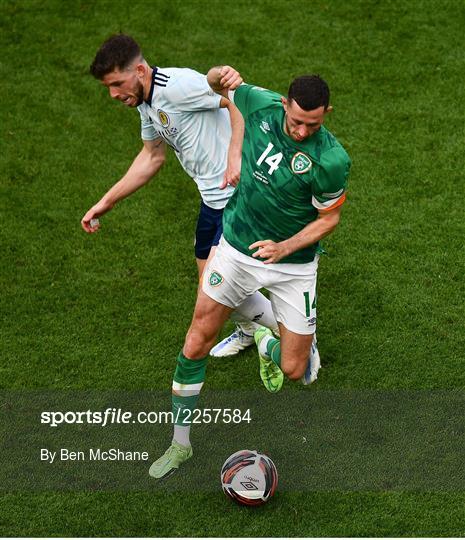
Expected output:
(111, 310)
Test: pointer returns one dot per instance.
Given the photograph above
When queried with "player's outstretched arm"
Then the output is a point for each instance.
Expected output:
(146, 164)
(224, 78)
(273, 252)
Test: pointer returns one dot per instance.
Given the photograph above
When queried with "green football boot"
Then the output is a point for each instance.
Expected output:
(270, 373)
(169, 462)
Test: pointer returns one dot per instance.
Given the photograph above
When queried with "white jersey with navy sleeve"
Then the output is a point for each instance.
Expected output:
(184, 111)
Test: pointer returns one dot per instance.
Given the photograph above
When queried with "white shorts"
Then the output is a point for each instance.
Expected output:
(231, 276)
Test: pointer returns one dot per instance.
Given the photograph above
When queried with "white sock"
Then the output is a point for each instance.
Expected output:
(255, 311)
(181, 435)
(262, 347)
(181, 391)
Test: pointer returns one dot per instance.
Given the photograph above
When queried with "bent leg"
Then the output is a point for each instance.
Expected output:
(295, 350)
(294, 303)
(290, 354)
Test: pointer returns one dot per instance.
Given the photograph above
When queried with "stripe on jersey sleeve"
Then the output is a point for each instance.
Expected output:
(331, 204)
(160, 79)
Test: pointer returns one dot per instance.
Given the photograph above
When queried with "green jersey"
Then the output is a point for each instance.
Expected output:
(284, 183)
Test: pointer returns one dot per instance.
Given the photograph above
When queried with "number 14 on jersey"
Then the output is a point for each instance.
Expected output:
(273, 161)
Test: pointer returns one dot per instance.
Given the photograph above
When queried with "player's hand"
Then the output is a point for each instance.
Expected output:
(92, 215)
(90, 222)
(271, 251)
(230, 78)
(232, 175)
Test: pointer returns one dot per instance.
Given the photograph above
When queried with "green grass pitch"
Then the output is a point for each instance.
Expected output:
(110, 311)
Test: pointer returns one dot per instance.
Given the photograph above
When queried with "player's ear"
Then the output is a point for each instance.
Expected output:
(284, 102)
(141, 70)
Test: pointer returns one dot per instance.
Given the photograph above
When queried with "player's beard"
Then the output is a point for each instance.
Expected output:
(139, 93)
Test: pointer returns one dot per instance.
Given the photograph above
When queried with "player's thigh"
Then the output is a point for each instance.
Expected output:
(295, 350)
(208, 231)
(208, 313)
(293, 299)
(202, 263)
(228, 280)
(209, 316)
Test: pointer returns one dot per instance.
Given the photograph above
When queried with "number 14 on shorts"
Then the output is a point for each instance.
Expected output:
(309, 305)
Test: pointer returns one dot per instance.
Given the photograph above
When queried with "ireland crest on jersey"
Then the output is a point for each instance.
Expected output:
(215, 279)
(300, 163)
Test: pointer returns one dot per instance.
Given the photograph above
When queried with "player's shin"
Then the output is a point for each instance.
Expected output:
(188, 380)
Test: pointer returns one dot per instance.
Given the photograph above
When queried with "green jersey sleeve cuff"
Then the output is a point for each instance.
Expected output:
(239, 97)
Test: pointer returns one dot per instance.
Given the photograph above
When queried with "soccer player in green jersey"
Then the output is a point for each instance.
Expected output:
(293, 183)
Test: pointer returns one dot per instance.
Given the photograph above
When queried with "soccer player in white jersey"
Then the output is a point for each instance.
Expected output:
(178, 109)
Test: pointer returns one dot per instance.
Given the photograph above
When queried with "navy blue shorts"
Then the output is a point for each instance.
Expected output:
(208, 231)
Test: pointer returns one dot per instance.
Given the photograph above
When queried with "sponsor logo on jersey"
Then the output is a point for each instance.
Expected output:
(215, 279)
(264, 126)
(164, 118)
(300, 163)
(168, 132)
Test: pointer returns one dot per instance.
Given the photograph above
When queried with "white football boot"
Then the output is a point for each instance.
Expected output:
(239, 340)
(313, 366)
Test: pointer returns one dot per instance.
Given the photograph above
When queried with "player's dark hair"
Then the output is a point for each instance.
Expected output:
(118, 52)
(309, 92)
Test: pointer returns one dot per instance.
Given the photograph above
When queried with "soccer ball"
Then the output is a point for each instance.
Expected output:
(249, 477)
